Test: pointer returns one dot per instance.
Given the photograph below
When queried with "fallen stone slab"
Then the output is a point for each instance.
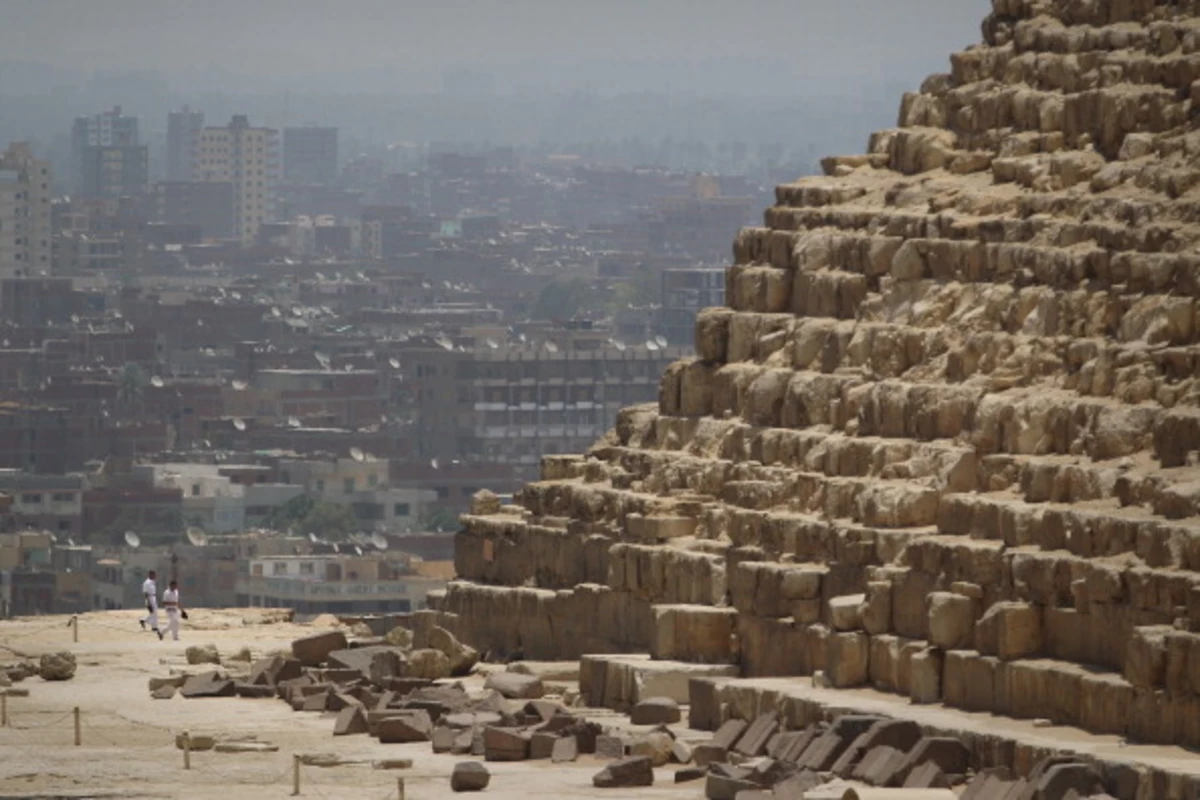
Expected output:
(350, 720)
(409, 726)
(689, 774)
(655, 711)
(949, 755)
(681, 752)
(392, 763)
(725, 781)
(275, 669)
(708, 753)
(174, 681)
(754, 741)
(315, 701)
(824, 752)
(655, 745)
(471, 719)
(505, 744)
(242, 689)
(210, 684)
(900, 734)
(627, 772)
(163, 693)
(728, 734)
(462, 657)
(610, 746)
(197, 742)
(326, 760)
(927, 776)
(312, 651)
(515, 686)
(541, 745)
(246, 747)
(469, 776)
(798, 785)
(565, 749)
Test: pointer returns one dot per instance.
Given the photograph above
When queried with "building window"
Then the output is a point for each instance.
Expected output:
(348, 486)
(373, 479)
(195, 490)
(320, 486)
(400, 510)
(64, 524)
(279, 568)
(256, 570)
(443, 492)
(306, 568)
(62, 497)
(31, 499)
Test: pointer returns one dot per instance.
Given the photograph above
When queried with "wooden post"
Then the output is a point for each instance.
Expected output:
(187, 750)
(78, 730)
(400, 787)
(3, 709)
(295, 775)
(75, 628)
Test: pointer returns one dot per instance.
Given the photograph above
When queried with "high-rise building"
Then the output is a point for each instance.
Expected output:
(183, 133)
(24, 213)
(106, 129)
(249, 159)
(310, 155)
(109, 172)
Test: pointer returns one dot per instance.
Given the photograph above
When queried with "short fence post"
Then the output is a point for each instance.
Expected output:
(295, 775)
(78, 730)
(3, 709)
(187, 750)
(400, 787)
(75, 628)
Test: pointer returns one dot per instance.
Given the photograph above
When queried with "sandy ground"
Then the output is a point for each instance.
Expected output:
(128, 747)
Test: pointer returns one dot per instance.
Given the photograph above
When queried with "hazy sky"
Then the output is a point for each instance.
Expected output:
(289, 37)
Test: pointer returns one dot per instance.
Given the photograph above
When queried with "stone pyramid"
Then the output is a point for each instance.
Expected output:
(943, 441)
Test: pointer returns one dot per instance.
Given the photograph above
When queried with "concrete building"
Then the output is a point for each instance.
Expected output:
(209, 205)
(362, 485)
(183, 134)
(45, 502)
(248, 158)
(106, 129)
(333, 584)
(310, 155)
(109, 172)
(512, 405)
(25, 231)
(684, 293)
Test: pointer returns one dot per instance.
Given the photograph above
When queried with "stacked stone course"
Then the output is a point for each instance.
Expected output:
(944, 440)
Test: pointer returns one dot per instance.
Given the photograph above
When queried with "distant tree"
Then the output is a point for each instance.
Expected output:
(329, 521)
(439, 519)
(563, 299)
(131, 385)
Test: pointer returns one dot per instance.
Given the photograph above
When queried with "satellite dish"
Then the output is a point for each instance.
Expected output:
(239, 384)
(156, 381)
(651, 345)
(275, 312)
(394, 362)
(348, 368)
(661, 341)
(239, 423)
(297, 311)
(293, 422)
(70, 542)
(617, 343)
(132, 539)
(433, 463)
(551, 347)
(492, 343)
(236, 295)
(336, 549)
(523, 338)
(357, 550)
(445, 343)
(357, 454)
(379, 541)
(196, 536)
(312, 537)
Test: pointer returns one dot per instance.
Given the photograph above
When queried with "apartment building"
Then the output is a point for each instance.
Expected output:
(183, 132)
(310, 155)
(684, 293)
(334, 584)
(108, 129)
(25, 231)
(248, 158)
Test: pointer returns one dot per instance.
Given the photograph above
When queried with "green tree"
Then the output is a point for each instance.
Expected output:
(328, 521)
(131, 385)
(439, 519)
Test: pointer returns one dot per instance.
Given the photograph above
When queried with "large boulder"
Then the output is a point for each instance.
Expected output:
(655, 711)
(429, 664)
(469, 776)
(463, 658)
(57, 666)
(210, 684)
(515, 686)
(311, 651)
(203, 654)
(399, 637)
(631, 771)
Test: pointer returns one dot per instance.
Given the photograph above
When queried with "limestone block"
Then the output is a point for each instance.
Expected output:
(693, 633)
(926, 676)
(311, 651)
(1009, 630)
(1146, 656)
(951, 620)
(844, 612)
(847, 659)
(696, 389)
(712, 333)
(876, 609)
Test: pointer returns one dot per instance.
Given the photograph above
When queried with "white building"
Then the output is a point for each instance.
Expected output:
(24, 213)
(249, 159)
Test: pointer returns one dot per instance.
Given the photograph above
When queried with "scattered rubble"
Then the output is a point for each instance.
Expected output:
(469, 776)
(57, 666)
(203, 654)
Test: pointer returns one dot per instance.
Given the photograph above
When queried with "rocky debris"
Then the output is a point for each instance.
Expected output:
(469, 776)
(274, 670)
(208, 684)
(399, 637)
(57, 666)
(565, 749)
(428, 664)
(462, 657)
(515, 686)
(408, 726)
(625, 773)
(312, 651)
(350, 720)
(165, 692)
(243, 689)
(656, 745)
(202, 654)
(655, 711)
(505, 744)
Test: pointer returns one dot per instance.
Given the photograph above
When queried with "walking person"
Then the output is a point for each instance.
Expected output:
(171, 605)
(150, 595)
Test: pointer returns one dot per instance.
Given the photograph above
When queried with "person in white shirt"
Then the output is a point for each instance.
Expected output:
(170, 601)
(150, 595)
